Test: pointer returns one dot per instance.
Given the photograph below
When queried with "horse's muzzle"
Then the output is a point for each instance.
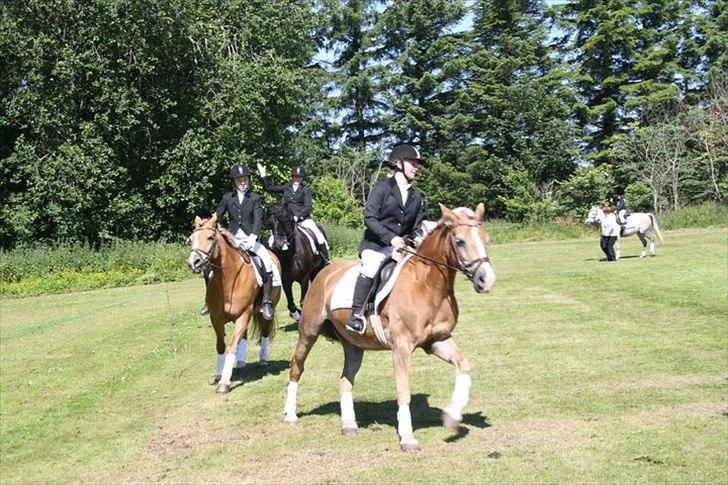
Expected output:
(484, 278)
(195, 263)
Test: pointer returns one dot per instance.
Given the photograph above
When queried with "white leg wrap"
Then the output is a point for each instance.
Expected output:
(348, 419)
(220, 363)
(227, 369)
(264, 344)
(404, 425)
(289, 409)
(460, 396)
(242, 349)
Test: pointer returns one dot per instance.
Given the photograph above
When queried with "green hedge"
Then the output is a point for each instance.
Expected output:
(32, 271)
(29, 271)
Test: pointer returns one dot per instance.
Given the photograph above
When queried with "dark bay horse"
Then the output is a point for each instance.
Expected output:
(421, 311)
(233, 294)
(299, 263)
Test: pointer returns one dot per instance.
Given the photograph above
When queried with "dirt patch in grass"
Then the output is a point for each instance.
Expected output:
(664, 415)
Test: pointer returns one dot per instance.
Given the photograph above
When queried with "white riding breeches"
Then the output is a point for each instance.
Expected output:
(370, 260)
(258, 249)
(310, 224)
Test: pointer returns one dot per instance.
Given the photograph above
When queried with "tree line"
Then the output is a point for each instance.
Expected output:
(120, 118)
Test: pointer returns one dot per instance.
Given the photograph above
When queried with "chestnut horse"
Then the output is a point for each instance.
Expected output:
(421, 311)
(299, 263)
(233, 294)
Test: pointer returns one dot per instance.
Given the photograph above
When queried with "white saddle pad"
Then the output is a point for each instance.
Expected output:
(259, 279)
(344, 292)
(311, 240)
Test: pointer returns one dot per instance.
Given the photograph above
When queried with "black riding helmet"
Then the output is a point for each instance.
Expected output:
(298, 172)
(403, 151)
(239, 171)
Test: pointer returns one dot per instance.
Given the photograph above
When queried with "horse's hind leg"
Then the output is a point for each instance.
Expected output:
(644, 244)
(307, 336)
(448, 351)
(352, 362)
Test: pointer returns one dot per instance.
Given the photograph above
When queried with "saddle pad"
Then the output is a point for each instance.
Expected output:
(310, 236)
(344, 292)
(259, 279)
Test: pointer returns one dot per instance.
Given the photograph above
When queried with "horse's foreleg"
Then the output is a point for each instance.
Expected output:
(241, 325)
(402, 358)
(448, 351)
(288, 290)
(618, 249)
(303, 347)
(219, 327)
(352, 362)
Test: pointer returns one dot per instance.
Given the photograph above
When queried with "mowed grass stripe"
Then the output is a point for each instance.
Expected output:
(583, 372)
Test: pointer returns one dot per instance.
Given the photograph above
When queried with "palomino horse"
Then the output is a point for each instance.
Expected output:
(233, 294)
(298, 261)
(644, 224)
(421, 311)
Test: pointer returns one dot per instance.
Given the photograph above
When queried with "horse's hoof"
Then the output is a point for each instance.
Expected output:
(450, 423)
(215, 381)
(295, 315)
(223, 388)
(410, 447)
(350, 431)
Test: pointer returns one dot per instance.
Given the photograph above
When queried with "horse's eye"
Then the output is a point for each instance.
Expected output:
(460, 242)
(210, 237)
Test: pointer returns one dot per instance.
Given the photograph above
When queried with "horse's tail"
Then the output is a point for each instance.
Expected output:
(655, 227)
(259, 327)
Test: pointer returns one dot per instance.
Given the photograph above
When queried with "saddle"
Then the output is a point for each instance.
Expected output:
(383, 275)
(310, 236)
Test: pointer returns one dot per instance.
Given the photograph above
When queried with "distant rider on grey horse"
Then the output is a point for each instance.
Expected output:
(297, 196)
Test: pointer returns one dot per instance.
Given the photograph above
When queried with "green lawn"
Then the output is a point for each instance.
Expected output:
(584, 371)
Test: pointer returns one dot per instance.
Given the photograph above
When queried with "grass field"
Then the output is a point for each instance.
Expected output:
(584, 371)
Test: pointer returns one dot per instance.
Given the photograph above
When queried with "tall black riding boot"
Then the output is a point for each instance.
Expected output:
(361, 295)
(266, 308)
(324, 252)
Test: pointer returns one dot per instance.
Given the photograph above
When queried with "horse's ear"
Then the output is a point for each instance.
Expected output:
(198, 221)
(480, 211)
(213, 219)
(447, 214)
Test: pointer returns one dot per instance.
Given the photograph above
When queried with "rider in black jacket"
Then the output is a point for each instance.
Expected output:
(394, 210)
(297, 196)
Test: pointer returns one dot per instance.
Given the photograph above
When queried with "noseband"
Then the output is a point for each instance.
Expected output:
(468, 269)
(206, 255)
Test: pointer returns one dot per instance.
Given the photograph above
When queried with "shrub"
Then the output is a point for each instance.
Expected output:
(333, 203)
(639, 197)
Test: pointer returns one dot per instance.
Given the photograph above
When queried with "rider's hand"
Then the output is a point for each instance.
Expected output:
(397, 242)
(261, 169)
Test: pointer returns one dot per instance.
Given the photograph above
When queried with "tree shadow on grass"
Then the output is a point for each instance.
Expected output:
(373, 415)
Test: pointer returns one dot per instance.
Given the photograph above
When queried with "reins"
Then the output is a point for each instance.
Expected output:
(463, 269)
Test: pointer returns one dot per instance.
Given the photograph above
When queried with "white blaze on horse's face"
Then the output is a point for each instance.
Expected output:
(202, 241)
(470, 242)
(594, 215)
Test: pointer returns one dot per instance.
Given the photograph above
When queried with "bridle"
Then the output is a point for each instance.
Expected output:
(207, 255)
(468, 269)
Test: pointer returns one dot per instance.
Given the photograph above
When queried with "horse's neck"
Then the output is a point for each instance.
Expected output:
(226, 258)
(437, 256)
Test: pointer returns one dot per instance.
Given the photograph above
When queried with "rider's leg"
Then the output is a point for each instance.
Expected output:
(321, 244)
(370, 261)
(266, 308)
